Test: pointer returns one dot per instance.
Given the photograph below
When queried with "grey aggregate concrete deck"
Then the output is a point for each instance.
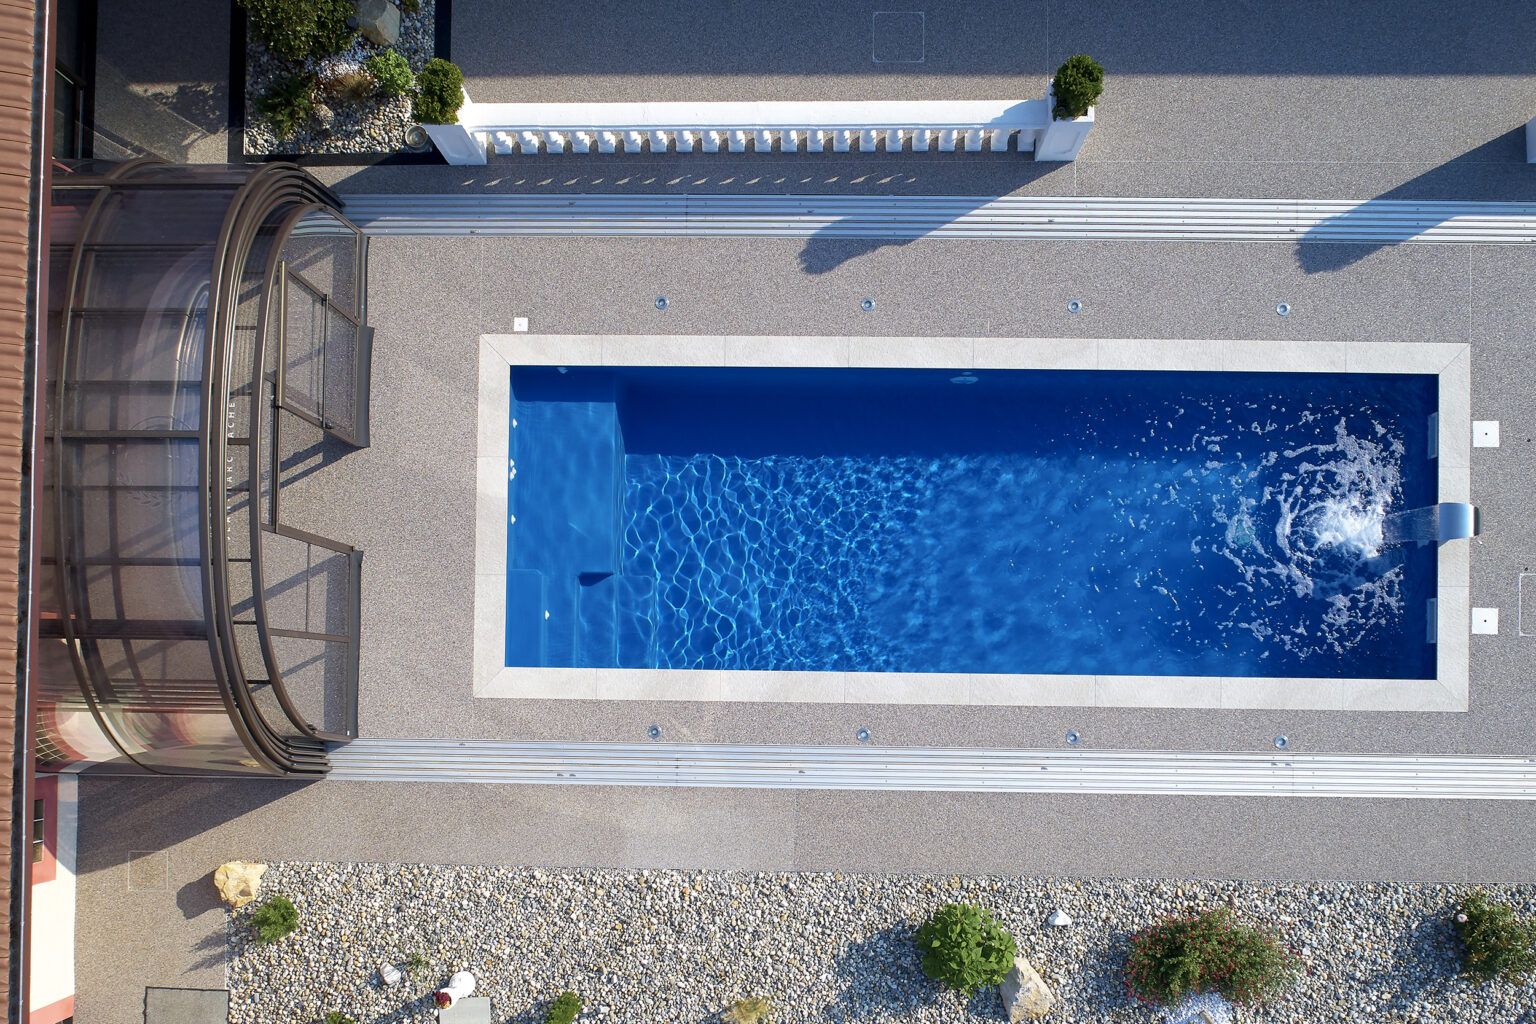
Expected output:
(162, 80)
(172, 933)
(1274, 99)
(408, 501)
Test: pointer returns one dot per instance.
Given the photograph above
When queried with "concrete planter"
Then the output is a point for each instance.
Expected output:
(1062, 139)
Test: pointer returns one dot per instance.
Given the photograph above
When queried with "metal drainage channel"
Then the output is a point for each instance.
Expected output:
(943, 769)
(1006, 217)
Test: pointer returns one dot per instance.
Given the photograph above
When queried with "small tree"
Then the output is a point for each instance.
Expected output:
(1077, 85)
(439, 92)
(964, 947)
(751, 1010)
(288, 104)
(296, 29)
(1495, 943)
(391, 74)
(564, 1009)
(1207, 952)
(275, 919)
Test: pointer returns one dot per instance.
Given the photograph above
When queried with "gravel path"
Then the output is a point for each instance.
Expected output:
(665, 946)
(375, 124)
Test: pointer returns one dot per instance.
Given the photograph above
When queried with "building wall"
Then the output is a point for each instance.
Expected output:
(52, 957)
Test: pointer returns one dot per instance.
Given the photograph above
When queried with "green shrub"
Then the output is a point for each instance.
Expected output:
(337, 1017)
(410, 6)
(751, 1010)
(288, 104)
(1495, 943)
(564, 1009)
(964, 947)
(439, 92)
(296, 29)
(416, 965)
(1207, 952)
(390, 73)
(274, 919)
(1077, 85)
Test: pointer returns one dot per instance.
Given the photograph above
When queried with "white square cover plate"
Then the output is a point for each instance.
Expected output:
(1485, 433)
(1485, 621)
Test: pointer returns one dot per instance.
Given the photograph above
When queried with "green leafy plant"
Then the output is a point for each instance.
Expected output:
(296, 29)
(751, 1010)
(391, 74)
(1495, 943)
(288, 104)
(1077, 85)
(439, 92)
(964, 947)
(415, 965)
(1207, 952)
(274, 919)
(410, 6)
(564, 1009)
(337, 1017)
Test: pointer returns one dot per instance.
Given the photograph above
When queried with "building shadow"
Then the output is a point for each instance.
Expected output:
(1483, 171)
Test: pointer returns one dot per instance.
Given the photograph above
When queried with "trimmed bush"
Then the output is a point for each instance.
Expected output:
(964, 947)
(1077, 85)
(564, 1009)
(391, 74)
(1207, 952)
(337, 1017)
(751, 1010)
(288, 104)
(1495, 943)
(274, 919)
(439, 92)
(296, 29)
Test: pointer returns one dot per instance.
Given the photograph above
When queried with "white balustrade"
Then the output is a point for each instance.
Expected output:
(892, 126)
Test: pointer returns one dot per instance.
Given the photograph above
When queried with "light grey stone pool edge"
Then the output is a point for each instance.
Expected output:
(1449, 691)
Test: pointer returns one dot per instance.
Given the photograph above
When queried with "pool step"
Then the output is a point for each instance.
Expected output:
(597, 611)
(637, 621)
(525, 617)
(566, 486)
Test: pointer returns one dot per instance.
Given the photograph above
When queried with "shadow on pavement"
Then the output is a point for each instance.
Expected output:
(1318, 253)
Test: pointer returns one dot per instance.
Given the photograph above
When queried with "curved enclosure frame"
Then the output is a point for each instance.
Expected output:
(206, 335)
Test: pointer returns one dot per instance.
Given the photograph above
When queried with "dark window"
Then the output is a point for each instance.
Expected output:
(39, 821)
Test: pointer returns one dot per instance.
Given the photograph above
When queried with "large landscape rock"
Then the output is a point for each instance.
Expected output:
(1025, 994)
(238, 882)
(378, 21)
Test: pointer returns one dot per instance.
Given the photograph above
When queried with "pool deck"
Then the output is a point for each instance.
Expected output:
(1284, 100)
(410, 501)
(498, 353)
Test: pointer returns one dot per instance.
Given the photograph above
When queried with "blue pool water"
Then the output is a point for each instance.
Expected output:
(1089, 522)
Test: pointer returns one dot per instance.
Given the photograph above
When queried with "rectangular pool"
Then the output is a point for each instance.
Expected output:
(991, 521)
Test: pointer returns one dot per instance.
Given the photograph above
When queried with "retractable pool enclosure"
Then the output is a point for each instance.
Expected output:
(206, 335)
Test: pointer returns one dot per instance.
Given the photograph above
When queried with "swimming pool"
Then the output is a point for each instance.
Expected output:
(987, 521)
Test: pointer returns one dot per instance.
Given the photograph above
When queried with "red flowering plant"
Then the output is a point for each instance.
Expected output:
(1206, 952)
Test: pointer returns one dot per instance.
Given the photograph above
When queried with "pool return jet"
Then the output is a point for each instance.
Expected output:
(1432, 524)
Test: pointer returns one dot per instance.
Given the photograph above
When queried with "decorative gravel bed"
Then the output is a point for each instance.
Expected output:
(669, 946)
(375, 124)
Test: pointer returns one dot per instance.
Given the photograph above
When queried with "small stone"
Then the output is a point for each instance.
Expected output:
(1059, 919)
(323, 116)
(1025, 994)
(389, 975)
(378, 21)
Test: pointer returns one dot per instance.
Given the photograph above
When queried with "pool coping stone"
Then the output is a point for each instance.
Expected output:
(492, 678)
